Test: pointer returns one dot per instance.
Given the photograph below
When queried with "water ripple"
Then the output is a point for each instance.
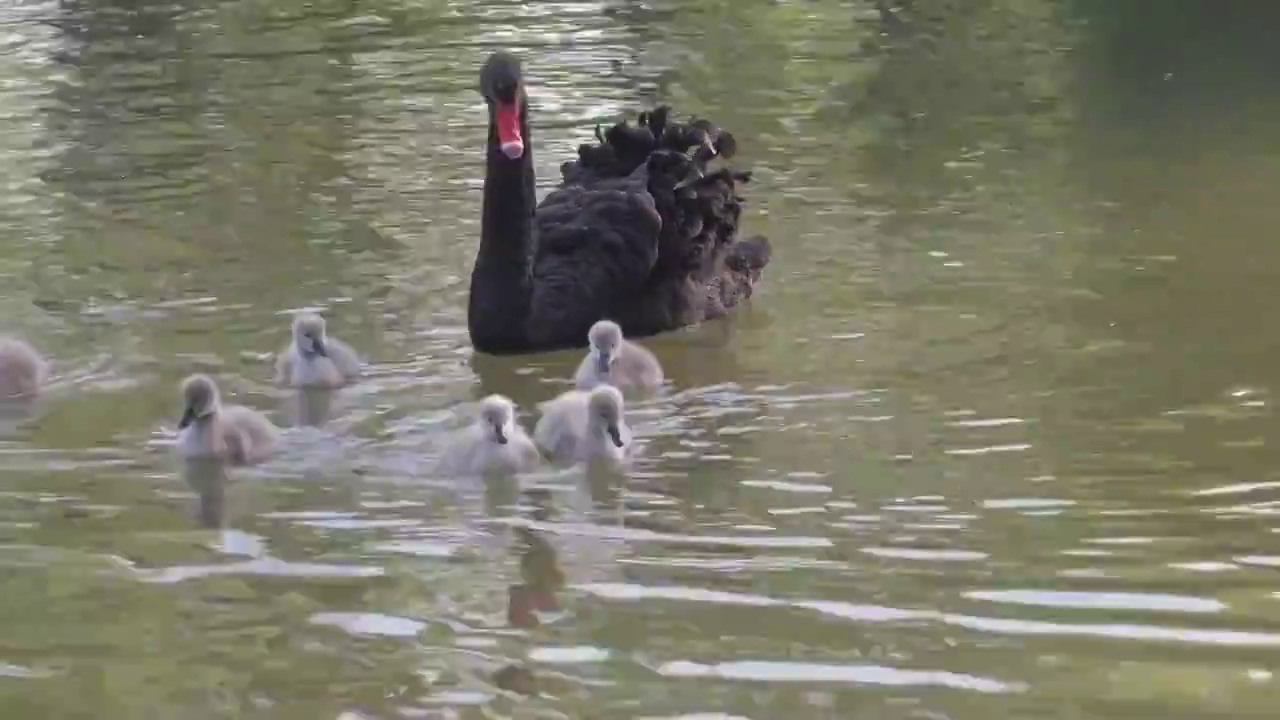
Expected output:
(773, 671)
(877, 614)
(642, 535)
(1100, 600)
(370, 624)
(262, 566)
(944, 455)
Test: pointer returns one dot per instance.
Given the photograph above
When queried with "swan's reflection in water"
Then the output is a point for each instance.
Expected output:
(541, 578)
(309, 407)
(606, 483)
(16, 413)
(536, 597)
(540, 574)
(528, 381)
(208, 479)
(501, 493)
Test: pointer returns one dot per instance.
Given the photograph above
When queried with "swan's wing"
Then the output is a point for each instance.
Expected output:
(265, 434)
(561, 425)
(548, 432)
(596, 248)
(702, 267)
(699, 209)
(701, 222)
(623, 148)
(542, 431)
(618, 152)
(526, 455)
(744, 263)
(640, 365)
(457, 458)
(565, 447)
(344, 358)
(250, 436)
(238, 445)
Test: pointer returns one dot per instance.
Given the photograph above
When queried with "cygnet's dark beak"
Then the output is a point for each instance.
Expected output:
(500, 435)
(188, 417)
(318, 346)
(602, 363)
(615, 435)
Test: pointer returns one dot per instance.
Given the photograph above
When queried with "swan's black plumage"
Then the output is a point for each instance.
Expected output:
(641, 231)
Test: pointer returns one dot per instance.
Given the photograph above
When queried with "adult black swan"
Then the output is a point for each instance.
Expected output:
(640, 232)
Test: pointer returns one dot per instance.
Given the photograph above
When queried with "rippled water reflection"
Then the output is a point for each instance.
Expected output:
(991, 442)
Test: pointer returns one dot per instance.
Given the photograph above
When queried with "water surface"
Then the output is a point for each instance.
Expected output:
(990, 443)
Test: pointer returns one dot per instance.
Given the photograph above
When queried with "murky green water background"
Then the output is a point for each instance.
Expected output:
(993, 441)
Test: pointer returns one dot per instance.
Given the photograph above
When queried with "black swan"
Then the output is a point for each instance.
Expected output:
(639, 233)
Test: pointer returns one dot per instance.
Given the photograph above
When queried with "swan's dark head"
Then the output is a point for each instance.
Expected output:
(502, 85)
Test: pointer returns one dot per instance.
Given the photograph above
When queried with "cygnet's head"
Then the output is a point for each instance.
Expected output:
(605, 406)
(606, 339)
(497, 413)
(308, 335)
(199, 399)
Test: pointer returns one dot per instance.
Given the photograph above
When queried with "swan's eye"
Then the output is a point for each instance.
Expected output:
(504, 91)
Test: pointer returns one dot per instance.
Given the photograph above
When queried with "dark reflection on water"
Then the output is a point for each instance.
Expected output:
(992, 442)
(208, 480)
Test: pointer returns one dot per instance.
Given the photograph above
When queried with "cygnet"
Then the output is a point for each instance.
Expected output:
(494, 443)
(315, 360)
(580, 426)
(234, 434)
(616, 361)
(22, 370)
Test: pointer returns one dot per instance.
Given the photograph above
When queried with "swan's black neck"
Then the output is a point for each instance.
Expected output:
(500, 281)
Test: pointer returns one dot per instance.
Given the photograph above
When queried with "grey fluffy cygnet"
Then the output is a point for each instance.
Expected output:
(209, 431)
(616, 361)
(493, 443)
(313, 359)
(580, 426)
(22, 371)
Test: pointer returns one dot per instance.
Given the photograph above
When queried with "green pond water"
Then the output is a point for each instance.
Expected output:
(990, 442)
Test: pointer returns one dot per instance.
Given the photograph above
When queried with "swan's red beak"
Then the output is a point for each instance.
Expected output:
(509, 140)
